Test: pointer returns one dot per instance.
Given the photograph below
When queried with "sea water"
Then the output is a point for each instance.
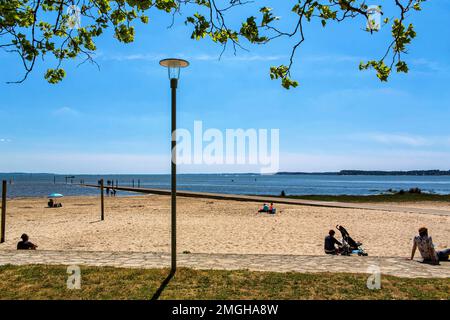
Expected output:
(40, 185)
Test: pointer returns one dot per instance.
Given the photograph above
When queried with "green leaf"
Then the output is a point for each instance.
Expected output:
(54, 76)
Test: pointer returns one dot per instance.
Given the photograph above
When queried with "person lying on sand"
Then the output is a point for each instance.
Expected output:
(426, 248)
(25, 244)
(330, 242)
(265, 208)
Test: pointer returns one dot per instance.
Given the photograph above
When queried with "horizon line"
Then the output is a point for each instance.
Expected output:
(235, 173)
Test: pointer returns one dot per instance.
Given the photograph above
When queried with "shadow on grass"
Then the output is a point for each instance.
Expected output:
(163, 285)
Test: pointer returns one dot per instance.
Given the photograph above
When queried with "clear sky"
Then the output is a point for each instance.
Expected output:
(117, 120)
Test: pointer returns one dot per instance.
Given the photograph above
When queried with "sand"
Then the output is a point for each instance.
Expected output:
(142, 223)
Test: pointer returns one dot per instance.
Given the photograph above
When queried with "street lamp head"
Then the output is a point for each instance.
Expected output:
(173, 66)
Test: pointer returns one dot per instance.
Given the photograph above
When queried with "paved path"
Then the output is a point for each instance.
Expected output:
(330, 204)
(279, 263)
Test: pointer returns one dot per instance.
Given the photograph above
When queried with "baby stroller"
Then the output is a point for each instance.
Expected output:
(349, 245)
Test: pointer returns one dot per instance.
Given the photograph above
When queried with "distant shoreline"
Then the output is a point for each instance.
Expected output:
(374, 173)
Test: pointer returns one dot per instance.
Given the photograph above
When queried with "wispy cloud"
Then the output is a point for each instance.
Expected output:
(405, 139)
(331, 64)
(427, 64)
(422, 64)
(4, 140)
(335, 58)
(428, 67)
(361, 97)
(197, 57)
(239, 57)
(65, 111)
(132, 57)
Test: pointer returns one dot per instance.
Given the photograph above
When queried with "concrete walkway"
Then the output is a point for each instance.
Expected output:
(278, 263)
(330, 204)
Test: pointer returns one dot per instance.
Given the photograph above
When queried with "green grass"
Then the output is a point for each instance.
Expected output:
(407, 197)
(49, 282)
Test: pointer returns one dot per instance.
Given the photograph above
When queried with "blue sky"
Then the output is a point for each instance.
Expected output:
(117, 120)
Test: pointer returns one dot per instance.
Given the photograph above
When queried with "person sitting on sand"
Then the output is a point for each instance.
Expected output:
(272, 210)
(426, 248)
(25, 244)
(265, 208)
(330, 242)
(52, 204)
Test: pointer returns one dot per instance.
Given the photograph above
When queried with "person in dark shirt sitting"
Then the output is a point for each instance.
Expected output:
(25, 244)
(330, 242)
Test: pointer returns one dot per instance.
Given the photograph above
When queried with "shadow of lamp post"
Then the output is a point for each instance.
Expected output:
(173, 66)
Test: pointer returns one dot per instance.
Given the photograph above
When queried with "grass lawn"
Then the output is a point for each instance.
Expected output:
(407, 197)
(49, 282)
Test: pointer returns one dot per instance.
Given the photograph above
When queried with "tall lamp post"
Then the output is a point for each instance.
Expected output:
(173, 66)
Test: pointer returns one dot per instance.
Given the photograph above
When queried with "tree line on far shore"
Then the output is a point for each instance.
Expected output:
(378, 173)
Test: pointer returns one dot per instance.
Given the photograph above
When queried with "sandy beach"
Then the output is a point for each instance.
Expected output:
(142, 223)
